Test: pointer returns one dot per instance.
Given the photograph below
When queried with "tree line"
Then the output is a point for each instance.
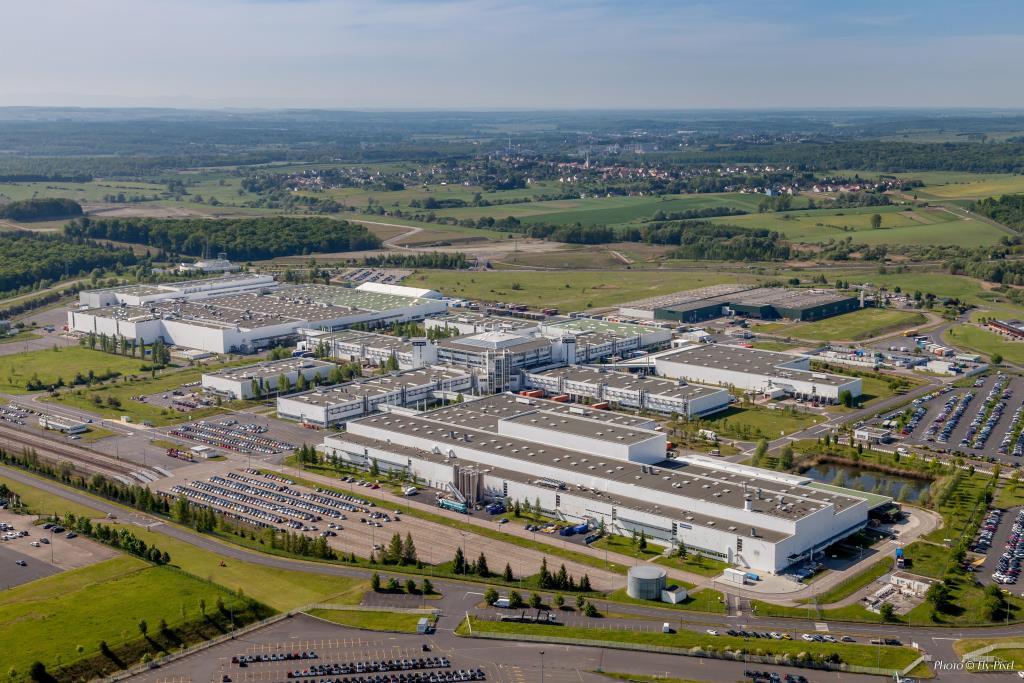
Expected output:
(1008, 210)
(26, 258)
(41, 209)
(241, 238)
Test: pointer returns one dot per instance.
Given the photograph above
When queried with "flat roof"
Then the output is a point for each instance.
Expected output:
(752, 361)
(772, 494)
(380, 341)
(269, 369)
(495, 341)
(689, 296)
(581, 425)
(489, 410)
(373, 387)
(485, 320)
(632, 503)
(625, 381)
(582, 325)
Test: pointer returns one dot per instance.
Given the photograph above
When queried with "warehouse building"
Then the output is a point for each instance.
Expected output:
(330, 406)
(370, 347)
(250, 381)
(498, 358)
(470, 322)
(186, 290)
(761, 372)
(589, 466)
(763, 303)
(399, 290)
(248, 321)
(598, 339)
(624, 390)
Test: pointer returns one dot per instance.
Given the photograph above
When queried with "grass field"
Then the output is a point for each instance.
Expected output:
(569, 291)
(861, 324)
(39, 502)
(370, 620)
(48, 619)
(281, 589)
(754, 422)
(984, 341)
(925, 226)
(854, 583)
(866, 655)
(625, 546)
(695, 564)
(49, 365)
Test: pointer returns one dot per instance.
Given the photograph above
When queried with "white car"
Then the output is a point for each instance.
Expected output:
(808, 637)
(712, 632)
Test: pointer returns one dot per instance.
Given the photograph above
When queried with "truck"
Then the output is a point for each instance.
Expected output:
(752, 576)
(453, 505)
(503, 603)
(707, 434)
(581, 528)
(495, 509)
(567, 531)
(901, 562)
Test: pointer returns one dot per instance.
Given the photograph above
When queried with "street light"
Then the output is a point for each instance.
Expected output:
(542, 666)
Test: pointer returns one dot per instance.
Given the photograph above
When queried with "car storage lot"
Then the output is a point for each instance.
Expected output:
(270, 502)
(998, 413)
(12, 574)
(43, 551)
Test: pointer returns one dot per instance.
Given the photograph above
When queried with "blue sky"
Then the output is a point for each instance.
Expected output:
(497, 54)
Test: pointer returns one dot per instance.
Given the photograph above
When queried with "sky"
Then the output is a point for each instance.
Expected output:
(499, 54)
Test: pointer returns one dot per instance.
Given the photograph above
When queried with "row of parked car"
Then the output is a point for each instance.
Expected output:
(948, 418)
(1008, 565)
(273, 657)
(371, 666)
(1008, 440)
(988, 416)
(773, 677)
(233, 437)
(987, 530)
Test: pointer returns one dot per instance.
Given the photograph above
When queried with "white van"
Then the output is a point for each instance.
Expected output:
(502, 602)
(666, 628)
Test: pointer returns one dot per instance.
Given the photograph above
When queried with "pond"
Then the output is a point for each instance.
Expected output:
(900, 488)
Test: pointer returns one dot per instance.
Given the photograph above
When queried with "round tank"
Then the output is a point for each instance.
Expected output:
(645, 582)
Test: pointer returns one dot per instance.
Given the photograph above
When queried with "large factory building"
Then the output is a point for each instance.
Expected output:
(764, 303)
(596, 466)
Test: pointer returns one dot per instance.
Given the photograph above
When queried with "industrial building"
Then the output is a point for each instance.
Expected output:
(329, 406)
(250, 381)
(598, 467)
(598, 339)
(185, 290)
(371, 347)
(64, 425)
(471, 322)
(242, 322)
(497, 358)
(623, 390)
(765, 303)
(399, 290)
(762, 372)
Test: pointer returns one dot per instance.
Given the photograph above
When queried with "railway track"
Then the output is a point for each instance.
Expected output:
(53, 450)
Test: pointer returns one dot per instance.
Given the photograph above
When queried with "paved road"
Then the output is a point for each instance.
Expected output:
(12, 575)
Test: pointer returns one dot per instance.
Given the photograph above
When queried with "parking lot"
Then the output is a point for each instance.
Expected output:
(349, 522)
(1001, 541)
(501, 661)
(985, 420)
(43, 551)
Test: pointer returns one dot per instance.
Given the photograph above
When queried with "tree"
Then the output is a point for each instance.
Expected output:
(642, 543)
(409, 551)
(481, 566)
(490, 596)
(202, 606)
(558, 601)
(786, 457)
(428, 587)
(283, 385)
(938, 595)
(886, 612)
(393, 553)
(876, 221)
(997, 359)
(515, 600)
(760, 452)
(589, 610)
(681, 550)
(846, 398)
(459, 563)
(143, 627)
(535, 600)
(507, 575)
(38, 674)
(580, 601)
(585, 584)
(410, 586)
(375, 582)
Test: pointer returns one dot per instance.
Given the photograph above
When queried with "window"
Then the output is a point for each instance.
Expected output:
(739, 544)
(504, 489)
(558, 501)
(675, 529)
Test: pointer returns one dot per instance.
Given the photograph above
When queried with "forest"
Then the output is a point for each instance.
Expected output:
(27, 258)
(241, 238)
(1008, 210)
(41, 209)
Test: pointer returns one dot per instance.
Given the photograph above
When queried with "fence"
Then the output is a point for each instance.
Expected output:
(697, 652)
(982, 651)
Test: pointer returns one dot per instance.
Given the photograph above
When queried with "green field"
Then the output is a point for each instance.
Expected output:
(49, 365)
(569, 291)
(929, 226)
(281, 589)
(861, 324)
(986, 342)
(46, 620)
(753, 422)
(695, 564)
(854, 583)
(863, 655)
(39, 502)
(370, 620)
(625, 546)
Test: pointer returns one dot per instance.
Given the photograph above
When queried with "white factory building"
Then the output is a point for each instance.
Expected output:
(763, 372)
(399, 290)
(471, 322)
(371, 347)
(594, 466)
(243, 322)
(184, 290)
(329, 406)
(624, 390)
(244, 382)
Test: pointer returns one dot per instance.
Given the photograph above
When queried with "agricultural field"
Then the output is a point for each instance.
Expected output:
(49, 365)
(568, 292)
(931, 226)
(49, 619)
(983, 341)
(605, 210)
(861, 324)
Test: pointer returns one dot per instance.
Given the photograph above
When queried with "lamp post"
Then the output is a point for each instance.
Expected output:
(542, 666)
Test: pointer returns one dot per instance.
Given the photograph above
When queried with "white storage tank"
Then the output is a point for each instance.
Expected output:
(646, 582)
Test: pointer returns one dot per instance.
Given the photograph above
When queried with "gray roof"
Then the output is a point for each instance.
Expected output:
(753, 361)
(270, 369)
(657, 386)
(377, 386)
